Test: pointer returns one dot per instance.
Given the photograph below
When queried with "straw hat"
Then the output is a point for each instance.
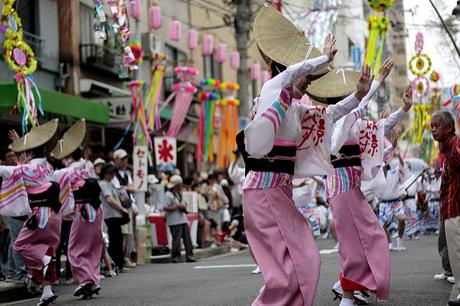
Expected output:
(333, 86)
(36, 137)
(280, 40)
(70, 141)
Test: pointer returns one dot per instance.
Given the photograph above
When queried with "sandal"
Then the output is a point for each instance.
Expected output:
(47, 301)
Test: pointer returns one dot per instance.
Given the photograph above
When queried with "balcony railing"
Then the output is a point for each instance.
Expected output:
(36, 43)
(102, 58)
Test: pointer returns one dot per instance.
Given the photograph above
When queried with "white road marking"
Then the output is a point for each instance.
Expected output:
(225, 266)
(328, 251)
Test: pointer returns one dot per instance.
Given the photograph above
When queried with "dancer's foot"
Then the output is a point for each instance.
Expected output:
(451, 280)
(399, 245)
(83, 289)
(256, 270)
(347, 302)
(441, 276)
(47, 297)
(359, 297)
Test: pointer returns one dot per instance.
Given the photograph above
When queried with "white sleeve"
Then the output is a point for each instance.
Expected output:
(296, 71)
(343, 107)
(393, 119)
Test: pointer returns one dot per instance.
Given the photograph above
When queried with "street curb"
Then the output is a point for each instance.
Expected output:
(198, 254)
(14, 293)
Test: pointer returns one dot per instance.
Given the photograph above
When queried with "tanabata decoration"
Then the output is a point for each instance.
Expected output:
(419, 123)
(192, 39)
(184, 91)
(21, 60)
(154, 17)
(422, 86)
(228, 108)
(436, 92)
(378, 27)
(208, 99)
(138, 121)
(101, 26)
(175, 30)
(420, 63)
(380, 5)
(154, 91)
(235, 60)
(136, 50)
(435, 76)
(321, 21)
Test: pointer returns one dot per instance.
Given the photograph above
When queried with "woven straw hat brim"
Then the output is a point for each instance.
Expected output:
(333, 86)
(36, 137)
(70, 141)
(279, 39)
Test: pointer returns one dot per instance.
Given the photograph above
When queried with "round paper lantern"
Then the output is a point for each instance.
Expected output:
(154, 17)
(208, 45)
(134, 9)
(265, 76)
(255, 71)
(235, 60)
(221, 53)
(192, 39)
(175, 30)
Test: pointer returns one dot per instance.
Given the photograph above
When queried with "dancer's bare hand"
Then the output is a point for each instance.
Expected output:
(407, 98)
(13, 135)
(329, 47)
(386, 69)
(364, 83)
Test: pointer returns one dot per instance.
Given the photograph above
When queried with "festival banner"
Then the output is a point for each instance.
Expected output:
(140, 170)
(165, 153)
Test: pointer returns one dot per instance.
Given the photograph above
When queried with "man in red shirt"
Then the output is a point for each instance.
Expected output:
(443, 129)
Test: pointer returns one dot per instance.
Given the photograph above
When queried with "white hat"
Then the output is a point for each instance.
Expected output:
(152, 179)
(174, 181)
(120, 154)
(99, 161)
(224, 183)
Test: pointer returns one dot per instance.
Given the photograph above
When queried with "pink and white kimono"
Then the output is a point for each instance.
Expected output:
(85, 240)
(358, 146)
(35, 183)
(285, 139)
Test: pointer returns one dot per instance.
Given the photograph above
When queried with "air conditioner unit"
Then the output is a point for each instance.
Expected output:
(150, 44)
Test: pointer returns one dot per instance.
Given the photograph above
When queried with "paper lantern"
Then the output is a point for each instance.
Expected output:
(208, 45)
(265, 76)
(255, 71)
(192, 39)
(175, 30)
(222, 53)
(235, 60)
(154, 17)
(134, 9)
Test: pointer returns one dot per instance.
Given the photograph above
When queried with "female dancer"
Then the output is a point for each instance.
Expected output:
(39, 237)
(273, 225)
(85, 240)
(358, 147)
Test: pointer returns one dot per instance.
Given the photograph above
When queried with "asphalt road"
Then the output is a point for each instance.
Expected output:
(202, 284)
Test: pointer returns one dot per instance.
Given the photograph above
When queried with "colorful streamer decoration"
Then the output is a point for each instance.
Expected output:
(380, 5)
(208, 99)
(21, 59)
(321, 21)
(419, 123)
(138, 121)
(454, 100)
(184, 95)
(378, 27)
(154, 91)
(228, 108)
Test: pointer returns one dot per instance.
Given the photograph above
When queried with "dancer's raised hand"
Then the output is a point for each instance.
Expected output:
(407, 98)
(386, 69)
(329, 47)
(364, 83)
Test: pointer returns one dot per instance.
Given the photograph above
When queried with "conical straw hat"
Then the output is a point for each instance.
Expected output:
(70, 141)
(332, 87)
(279, 39)
(36, 137)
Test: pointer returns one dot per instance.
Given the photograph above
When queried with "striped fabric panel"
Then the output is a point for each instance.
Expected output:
(343, 180)
(263, 180)
(44, 215)
(277, 111)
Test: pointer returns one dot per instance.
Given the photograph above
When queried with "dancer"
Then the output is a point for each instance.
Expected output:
(39, 237)
(432, 187)
(359, 152)
(273, 224)
(85, 239)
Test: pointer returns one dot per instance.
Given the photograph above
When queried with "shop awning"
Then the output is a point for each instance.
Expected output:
(60, 103)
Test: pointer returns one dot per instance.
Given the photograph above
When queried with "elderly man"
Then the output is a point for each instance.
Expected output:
(443, 129)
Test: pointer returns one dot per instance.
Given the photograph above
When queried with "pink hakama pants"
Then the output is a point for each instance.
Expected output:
(283, 246)
(363, 245)
(85, 249)
(33, 245)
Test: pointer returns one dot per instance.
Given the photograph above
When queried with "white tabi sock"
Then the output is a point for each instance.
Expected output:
(46, 260)
(47, 292)
(347, 302)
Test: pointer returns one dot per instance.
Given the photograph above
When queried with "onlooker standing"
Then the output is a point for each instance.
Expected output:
(443, 129)
(114, 214)
(123, 182)
(98, 163)
(177, 220)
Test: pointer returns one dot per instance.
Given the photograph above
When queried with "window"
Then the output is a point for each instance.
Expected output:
(86, 25)
(216, 70)
(28, 12)
(212, 69)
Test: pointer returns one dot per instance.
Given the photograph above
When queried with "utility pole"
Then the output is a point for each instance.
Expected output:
(242, 26)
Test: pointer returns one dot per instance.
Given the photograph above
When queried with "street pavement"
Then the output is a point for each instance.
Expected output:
(226, 281)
